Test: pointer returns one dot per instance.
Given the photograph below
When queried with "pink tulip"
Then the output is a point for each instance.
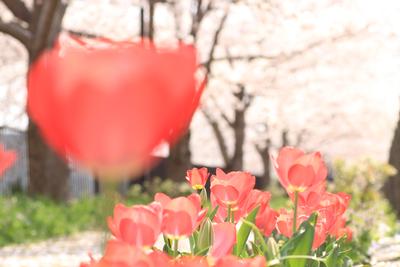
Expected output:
(137, 225)
(197, 177)
(298, 171)
(224, 239)
(182, 215)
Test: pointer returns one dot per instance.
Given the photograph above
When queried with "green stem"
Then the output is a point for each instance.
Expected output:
(228, 217)
(176, 243)
(296, 200)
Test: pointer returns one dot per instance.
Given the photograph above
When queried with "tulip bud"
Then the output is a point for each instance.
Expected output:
(205, 236)
(204, 198)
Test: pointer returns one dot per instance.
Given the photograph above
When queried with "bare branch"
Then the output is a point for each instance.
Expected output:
(84, 34)
(17, 31)
(198, 16)
(218, 134)
(214, 43)
(284, 56)
(19, 9)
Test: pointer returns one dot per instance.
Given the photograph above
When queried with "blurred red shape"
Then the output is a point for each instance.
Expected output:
(7, 159)
(107, 104)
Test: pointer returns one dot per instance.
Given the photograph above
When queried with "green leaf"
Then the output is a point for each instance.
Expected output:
(300, 243)
(244, 232)
(167, 246)
(331, 260)
(213, 213)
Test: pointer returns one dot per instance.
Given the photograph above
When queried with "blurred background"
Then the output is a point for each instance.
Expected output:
(316, 74)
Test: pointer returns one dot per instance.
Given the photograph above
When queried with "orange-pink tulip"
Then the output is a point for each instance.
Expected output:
(7, 158)
(182, 215)
(197, 177)
(298, 171)
(266, 217)
(108, 105)
(138, 225)
(232, 261)
(121, 254)
(231, 189)
(191, 261)
(224, 239)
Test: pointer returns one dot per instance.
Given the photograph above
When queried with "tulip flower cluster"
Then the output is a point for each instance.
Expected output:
(233, 224)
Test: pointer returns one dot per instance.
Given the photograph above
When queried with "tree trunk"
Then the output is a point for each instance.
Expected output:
(392, 185)
(179, 160)
(239, 126)
(239, 130)
(266, 162)
(48, 174)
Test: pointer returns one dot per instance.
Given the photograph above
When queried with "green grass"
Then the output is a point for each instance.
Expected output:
(25, 219)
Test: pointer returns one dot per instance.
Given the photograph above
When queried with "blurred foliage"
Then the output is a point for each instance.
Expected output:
(26, 219)
(371, 216)
(158, 185)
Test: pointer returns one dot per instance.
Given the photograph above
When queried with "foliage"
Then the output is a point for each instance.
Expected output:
(369, 212)
(26, 219)
(158, 185)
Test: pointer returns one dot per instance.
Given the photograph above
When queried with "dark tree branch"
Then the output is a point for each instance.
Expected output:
(18, 9)
(47, 16)
(214, 43)
(17, 31)
(56, 21)
(218, 134)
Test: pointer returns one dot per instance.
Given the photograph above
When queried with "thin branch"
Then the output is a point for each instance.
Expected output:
(218, 134)
(84, 34)
(214, 43)
(18, 9)
(17, 31)
(285, 56)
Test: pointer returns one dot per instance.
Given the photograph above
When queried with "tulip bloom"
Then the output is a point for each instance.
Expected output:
(181, 216)
(191, 261)
(138, 225)
(224, 239)
(232, 261)
(298, 171)
(108, 105)
(231, 189)
(7, 158)
(118, 253)
(197, 177)
(266, 217)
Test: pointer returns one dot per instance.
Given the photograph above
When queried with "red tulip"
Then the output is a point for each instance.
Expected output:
(224, 239)
(181, 216)
(108, 105)
(197, 177)
(284, 223)
(266, 217)
(231, 189)
(191, 261)
(138, 225)
(118, 253)
(298, 171)
(7, 158)
(232, 261)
